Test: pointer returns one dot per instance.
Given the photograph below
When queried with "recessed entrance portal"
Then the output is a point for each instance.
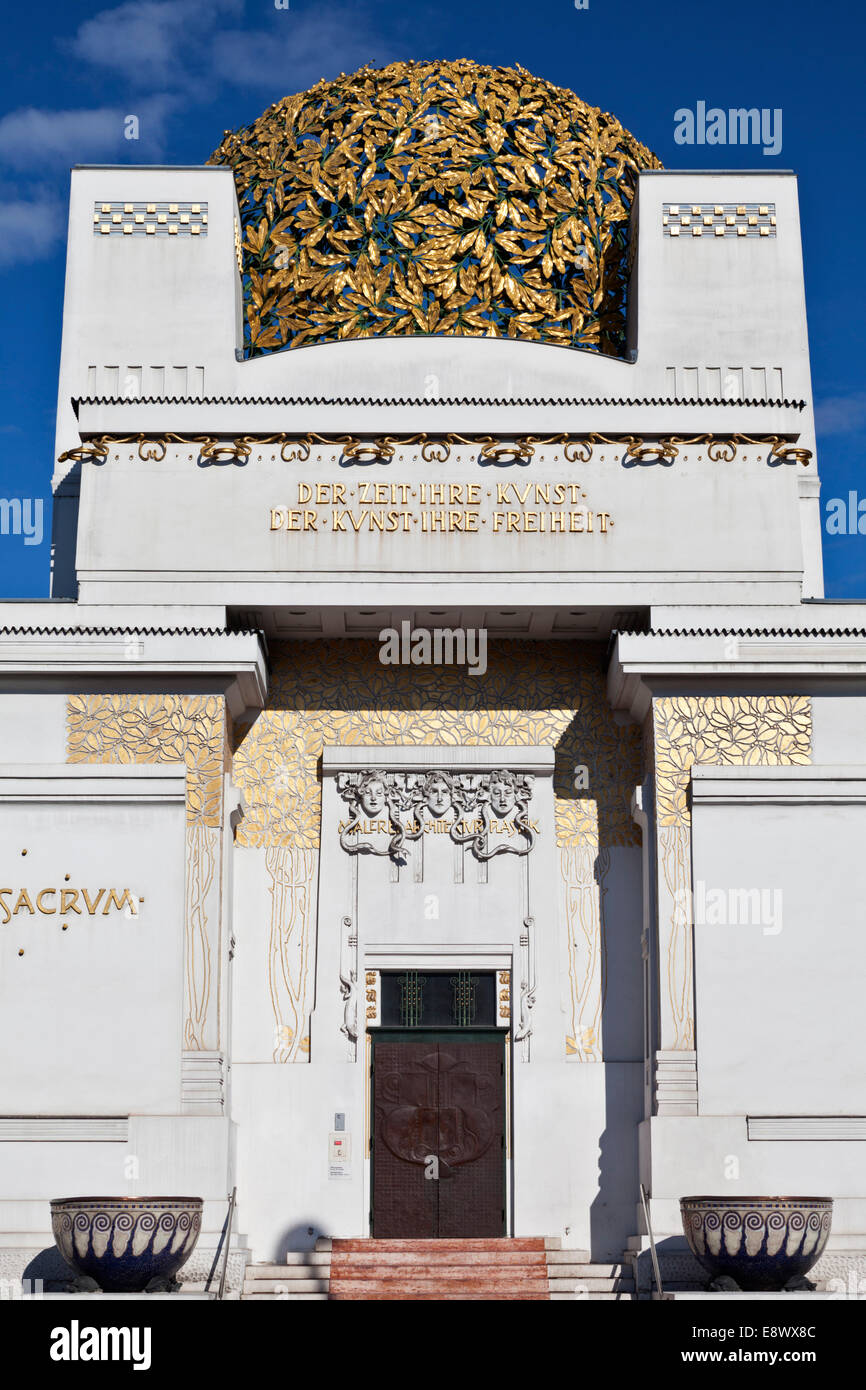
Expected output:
(439, 1112)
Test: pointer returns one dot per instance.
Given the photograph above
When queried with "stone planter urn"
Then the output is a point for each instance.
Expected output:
(757, 1243)
(126, 1244)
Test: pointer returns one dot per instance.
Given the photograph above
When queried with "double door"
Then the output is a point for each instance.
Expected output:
(438, 1135)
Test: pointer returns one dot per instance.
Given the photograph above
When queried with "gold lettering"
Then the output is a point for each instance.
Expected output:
(294, 521)
(3, 891)
(473, 494)
(322, 494)
(278, 518)
(310, 521)
(338, 493)
(576, 517)
(118, 902)
(363, 490)
(471, 521)
(498, 518)
(558, 494)
(513, 522)
(530, 522)
(49, 911)
(455, 494)
(382, 494)
(72, 904)
(338, 521)
(23, 899)
(502, 498)
(305, 492)
(542, 492)
(455, 521)
(603, 519)
(92, 906)
(557, 521)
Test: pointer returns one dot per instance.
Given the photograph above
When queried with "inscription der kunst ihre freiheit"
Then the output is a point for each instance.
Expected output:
(502, 508)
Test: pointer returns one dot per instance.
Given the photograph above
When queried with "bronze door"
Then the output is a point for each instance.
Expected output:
(438, 1138)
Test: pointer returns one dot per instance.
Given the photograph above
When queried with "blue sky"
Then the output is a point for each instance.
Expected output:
(190, 69)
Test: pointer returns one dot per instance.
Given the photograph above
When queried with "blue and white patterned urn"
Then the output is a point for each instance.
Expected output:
(126, 1244)
(760, 1243)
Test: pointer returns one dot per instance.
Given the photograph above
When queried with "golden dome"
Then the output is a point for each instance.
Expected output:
(434, 198)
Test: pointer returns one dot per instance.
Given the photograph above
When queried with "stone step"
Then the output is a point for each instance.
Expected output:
(589, 1271)
(298, 1271)
(568, 1257)
(436, 1259)
(592, 1285)
(491, 1246)
(482, 1285)
(594, 1296)
(441, 1297)
(308, 1257)
(392, 1273)
(289, 1294)
(285, 1286)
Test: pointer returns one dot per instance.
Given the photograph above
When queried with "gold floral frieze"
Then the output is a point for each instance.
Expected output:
(338, 692)
(127, 728)
(737, 730)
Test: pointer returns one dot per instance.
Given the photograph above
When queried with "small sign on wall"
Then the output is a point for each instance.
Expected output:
(339, 1155)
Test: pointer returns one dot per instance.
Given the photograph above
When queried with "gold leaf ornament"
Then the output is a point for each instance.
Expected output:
(407, 149)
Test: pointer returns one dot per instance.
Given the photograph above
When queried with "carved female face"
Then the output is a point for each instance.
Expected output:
(372, 796)
(437, 796)
(502, 796)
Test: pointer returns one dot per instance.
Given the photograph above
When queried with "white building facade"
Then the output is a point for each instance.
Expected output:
(254, 878)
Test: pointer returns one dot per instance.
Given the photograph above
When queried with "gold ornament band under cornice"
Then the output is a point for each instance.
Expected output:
(437, 448)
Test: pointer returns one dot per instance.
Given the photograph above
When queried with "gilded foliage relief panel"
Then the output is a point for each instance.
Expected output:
(339, 693)
(127, 728)
(738, 730)
(732, 730)
(189, 729)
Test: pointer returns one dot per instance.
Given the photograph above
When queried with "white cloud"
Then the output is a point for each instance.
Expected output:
(36, 139)
(841, 414)
(30, 228)
(298, 48)
(155, 43)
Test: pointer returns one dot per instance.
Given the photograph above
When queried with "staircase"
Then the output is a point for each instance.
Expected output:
(426, 1270)
(527, 1269)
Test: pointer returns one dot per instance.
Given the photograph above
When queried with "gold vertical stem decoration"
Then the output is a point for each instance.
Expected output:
(292, 875)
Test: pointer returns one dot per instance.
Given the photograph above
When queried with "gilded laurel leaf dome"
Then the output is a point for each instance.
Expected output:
(434, 198)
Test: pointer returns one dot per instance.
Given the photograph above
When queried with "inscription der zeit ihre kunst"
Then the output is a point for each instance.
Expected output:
(502, 508)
